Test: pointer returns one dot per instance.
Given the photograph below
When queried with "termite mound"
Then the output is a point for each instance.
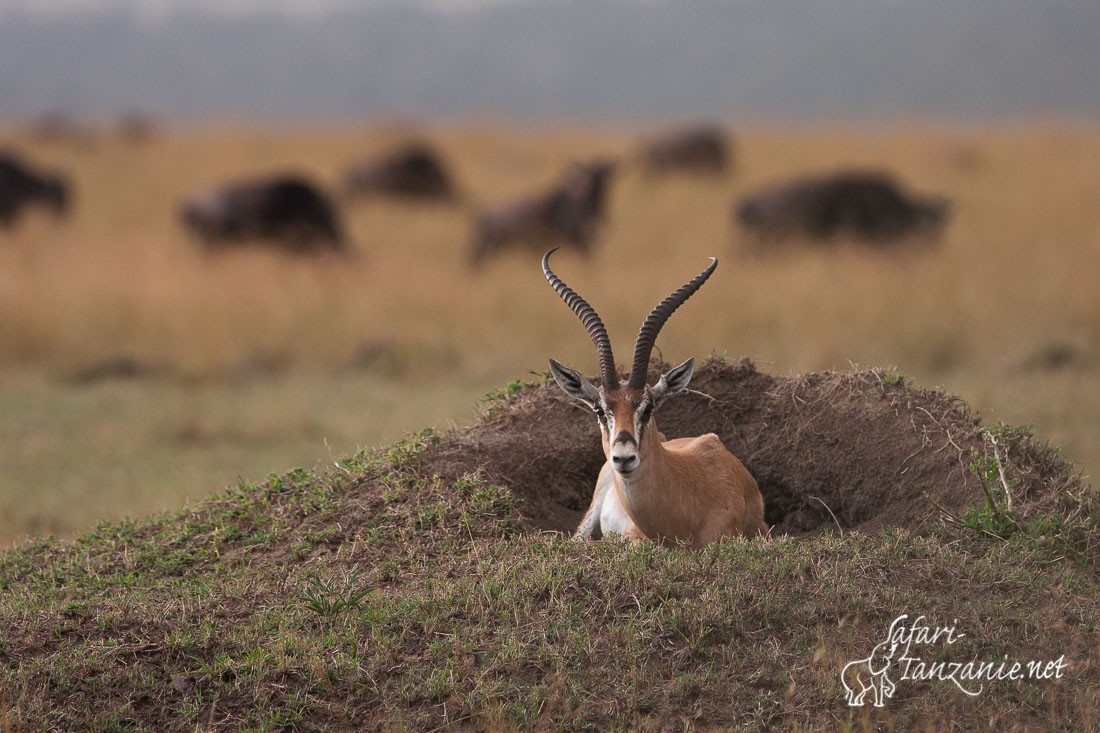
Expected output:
(830, 450)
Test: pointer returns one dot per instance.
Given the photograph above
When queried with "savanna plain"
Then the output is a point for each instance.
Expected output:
(254, 362)
(140, 375)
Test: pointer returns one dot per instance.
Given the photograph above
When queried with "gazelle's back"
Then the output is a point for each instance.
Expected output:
(722, 500)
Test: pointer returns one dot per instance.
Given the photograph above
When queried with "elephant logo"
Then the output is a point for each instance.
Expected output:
(899, 657)
(869, 675)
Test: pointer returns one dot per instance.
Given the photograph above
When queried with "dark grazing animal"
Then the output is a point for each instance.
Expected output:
(570, 212)
(863, 205)
(57, 126)
(287, 211)
(701, 149)
(414, 171)
(22, 186)
(136, 127)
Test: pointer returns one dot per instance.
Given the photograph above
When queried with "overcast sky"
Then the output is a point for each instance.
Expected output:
(159, 8)
(540, 59)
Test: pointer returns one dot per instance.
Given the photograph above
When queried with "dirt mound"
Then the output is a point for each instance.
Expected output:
(855, 450)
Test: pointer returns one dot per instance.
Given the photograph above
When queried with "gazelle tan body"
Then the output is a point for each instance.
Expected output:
(727, 502)
(683, 490)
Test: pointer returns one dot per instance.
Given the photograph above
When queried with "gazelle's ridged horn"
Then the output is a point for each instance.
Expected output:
(591, 320)
(647, 335)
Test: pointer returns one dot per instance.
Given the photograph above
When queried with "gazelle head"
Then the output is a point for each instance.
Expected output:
(624, 409)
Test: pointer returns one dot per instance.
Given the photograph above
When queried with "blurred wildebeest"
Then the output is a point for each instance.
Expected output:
(136, 127)
(570, 212)
(60, 127)
(21, 186)
(700, 149)
(864, 205)
(415, 171)
(288, 211)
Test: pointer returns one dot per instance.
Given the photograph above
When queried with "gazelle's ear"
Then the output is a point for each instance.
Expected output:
(673, 381)
(573, 383)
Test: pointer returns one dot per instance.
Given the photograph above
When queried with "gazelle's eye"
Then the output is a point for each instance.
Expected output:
(600, 414)
(647, 412)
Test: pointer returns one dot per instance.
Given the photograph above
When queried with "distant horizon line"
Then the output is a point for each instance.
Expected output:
(93, 121)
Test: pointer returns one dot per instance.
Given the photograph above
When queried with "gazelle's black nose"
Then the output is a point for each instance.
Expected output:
(624, 453)
(624, 462)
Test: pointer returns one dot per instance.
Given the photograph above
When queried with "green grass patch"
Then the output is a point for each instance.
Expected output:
(380, 595)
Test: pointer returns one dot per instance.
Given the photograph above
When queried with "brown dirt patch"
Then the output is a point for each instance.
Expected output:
(861, 450)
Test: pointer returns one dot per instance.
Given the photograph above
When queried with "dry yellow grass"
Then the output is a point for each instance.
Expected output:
(1011, 282)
